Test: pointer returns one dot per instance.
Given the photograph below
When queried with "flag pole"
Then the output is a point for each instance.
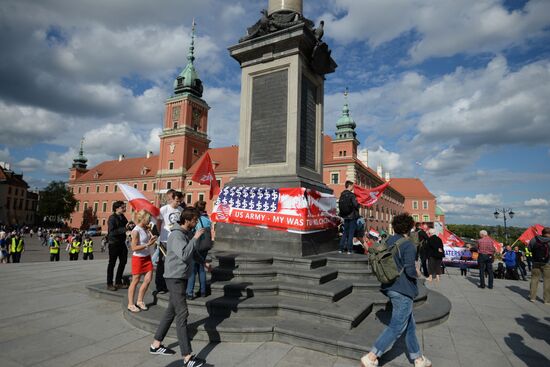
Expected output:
(512, 245)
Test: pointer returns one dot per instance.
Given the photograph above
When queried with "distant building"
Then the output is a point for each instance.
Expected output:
(17, 204)
(419, 201)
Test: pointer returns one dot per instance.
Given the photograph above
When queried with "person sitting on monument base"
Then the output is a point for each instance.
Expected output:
(401, 292)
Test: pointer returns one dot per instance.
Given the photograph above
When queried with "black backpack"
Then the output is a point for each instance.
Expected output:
(540, 251)
(345, 205)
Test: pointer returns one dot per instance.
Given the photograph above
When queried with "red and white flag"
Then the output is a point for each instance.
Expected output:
(368, 197)
(450, 239)
(374, 233)
(205, 175)
(137, 200)
(530, 233)
(498, 245)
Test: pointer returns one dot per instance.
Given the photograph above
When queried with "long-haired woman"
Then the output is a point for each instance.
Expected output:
(142, 240)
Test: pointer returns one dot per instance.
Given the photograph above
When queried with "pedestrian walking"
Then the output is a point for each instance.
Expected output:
(401, 293)
(540, 248)
(463, 267)
(142, 242)
(117, 245)
(182, 248)
(486, 252)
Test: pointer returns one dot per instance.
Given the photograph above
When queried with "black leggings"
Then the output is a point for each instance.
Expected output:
(120, 252)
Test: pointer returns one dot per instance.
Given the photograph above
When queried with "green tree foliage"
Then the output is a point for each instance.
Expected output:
(57, 202)
(497, 232)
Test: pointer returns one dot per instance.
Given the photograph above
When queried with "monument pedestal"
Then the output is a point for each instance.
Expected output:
(281, 127)
(231, 237)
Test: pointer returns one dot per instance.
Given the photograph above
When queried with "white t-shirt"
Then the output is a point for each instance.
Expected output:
(144, 238)
(170, 217)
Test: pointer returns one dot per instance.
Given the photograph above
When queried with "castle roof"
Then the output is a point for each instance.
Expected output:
(124, 169)
(411, 188)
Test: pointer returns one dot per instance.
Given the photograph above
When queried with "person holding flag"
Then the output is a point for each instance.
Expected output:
(348, 208)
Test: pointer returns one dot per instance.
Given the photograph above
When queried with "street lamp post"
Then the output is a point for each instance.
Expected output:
(504, 211)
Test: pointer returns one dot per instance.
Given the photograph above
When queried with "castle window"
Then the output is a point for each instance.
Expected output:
(188, 199)
(169, 185)
(415, 204)
(415, 217)
(189, 182)
(104, 207)
(106, 188)
(219, 182)
(145, 187)
(135, 186)
(175, 124)
(195, 151)
(97, 188)
(154, 186)
(87, 189)
(170, 165)
(96, 206)
(116, 188)
(334, 178)
(79, 189)
(77, 206)
(424, 204)
(85, 205)
(201, 197)
(345, 153)
(426, 218)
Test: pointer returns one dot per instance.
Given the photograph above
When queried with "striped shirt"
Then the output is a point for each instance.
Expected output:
(485, 246)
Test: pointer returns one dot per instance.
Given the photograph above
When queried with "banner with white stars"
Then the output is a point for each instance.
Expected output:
(297, 210)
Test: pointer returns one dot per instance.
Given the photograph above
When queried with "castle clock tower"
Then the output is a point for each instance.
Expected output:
(184, 136)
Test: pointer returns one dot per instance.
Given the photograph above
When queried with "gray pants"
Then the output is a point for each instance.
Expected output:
(177, 308)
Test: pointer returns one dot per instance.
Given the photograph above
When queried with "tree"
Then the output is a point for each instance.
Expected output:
(57, 202)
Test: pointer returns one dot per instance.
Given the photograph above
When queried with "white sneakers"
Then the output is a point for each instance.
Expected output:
(422, 362)
(366, 362)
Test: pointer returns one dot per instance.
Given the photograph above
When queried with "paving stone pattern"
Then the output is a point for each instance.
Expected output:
(48, 318)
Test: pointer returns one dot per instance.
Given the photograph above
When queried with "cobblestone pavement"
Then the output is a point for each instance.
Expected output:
(48, 318)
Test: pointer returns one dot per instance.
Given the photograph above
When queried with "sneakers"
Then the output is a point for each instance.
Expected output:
(121, 286)
(339, 251)
(366, 362)
(422, 362)
(111, 287)
(194, 362)
(161, 350)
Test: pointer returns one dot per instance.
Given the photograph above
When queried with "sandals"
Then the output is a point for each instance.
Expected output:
(133, 308)
(142, 306)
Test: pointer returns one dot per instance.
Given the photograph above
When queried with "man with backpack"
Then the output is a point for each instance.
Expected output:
(540, 248)
(398, 276)
(348, 209)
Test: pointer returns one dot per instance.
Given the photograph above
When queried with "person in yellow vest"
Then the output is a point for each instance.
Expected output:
(88, 248)
(55, 249)
(17, 246)
(529, 258)
(75, 249)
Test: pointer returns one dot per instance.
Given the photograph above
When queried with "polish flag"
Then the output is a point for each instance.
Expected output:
(205, 175)
(530, 233)
(137, 200)
(368, 197)
(450, 239)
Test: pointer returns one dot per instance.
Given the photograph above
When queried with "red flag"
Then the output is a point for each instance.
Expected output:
(367, 197)
(450, 239)
(205, 175)
(498, 245)
(530, 233)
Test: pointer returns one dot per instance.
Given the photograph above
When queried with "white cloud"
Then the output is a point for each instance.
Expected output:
(28, 164)
(224, 117)
(536, 202)
(390, 161)
(5, 155)
(444, 27)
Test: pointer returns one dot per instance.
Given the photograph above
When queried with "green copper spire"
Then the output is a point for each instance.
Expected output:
(345, 127)
(188, 81)
(80, 160)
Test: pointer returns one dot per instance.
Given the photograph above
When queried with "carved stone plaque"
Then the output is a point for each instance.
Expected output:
(308, 124)
(269, 118)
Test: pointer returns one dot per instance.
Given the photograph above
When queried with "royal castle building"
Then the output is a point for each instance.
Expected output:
(183, 143)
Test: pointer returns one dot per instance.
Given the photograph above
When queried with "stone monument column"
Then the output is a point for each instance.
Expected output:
(283, 62)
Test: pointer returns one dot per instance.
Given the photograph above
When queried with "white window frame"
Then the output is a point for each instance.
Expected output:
(415, 204)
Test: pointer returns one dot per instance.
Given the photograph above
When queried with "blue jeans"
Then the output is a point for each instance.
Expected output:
(346, 242)
(485, 262)
(402, 320)
(197, 268)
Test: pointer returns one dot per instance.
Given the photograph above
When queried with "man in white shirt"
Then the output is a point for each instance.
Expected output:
(169, 215)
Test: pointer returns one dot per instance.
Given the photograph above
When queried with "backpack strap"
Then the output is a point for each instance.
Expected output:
(397, 245)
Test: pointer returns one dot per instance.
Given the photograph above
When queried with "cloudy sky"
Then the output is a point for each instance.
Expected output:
(461, 87)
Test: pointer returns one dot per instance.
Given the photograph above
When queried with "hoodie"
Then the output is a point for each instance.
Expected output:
(540, 247)
(182, 249)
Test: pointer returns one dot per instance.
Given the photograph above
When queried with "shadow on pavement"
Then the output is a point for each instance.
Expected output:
(528, 355)
(522, 292)
(535, 328)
